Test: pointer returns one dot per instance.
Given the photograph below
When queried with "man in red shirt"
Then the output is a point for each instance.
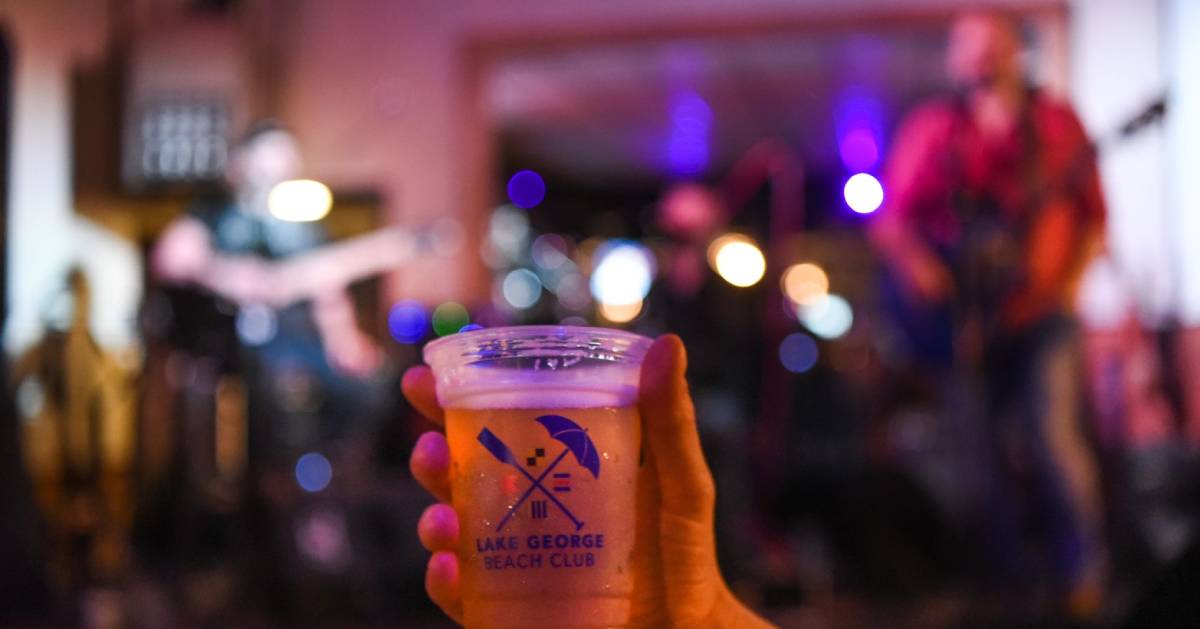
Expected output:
(993, 206)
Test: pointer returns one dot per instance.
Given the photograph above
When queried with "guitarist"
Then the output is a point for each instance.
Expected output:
(993, 206)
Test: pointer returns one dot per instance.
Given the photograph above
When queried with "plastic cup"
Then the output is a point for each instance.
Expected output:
(545, 442)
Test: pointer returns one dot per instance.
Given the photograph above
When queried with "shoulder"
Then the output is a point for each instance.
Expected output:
(1057, 117)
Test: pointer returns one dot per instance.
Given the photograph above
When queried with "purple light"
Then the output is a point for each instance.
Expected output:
(798, 352)
(688, 138)
(408, 322)
(313, 472)
(858, 121)
(859, 149)
(469, 327)
(526, 189)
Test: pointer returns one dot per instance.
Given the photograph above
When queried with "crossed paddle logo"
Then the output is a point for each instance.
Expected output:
(563, 430)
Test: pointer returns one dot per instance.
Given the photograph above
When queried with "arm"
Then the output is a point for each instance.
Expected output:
(1067, 235)
(910, 181)
(184, 255)
(349, 349)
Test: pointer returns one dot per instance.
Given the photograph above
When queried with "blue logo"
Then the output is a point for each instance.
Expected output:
(576, 442)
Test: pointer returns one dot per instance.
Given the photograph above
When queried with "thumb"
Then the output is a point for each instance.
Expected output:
(686, 536)
(670, 432)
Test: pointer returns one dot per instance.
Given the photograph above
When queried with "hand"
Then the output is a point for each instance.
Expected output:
(354, 353)
(676, 579)
(928, 279)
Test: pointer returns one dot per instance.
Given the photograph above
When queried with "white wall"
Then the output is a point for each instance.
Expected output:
(39, 204)
(1117, 69)
(1182, 39)
(47, 37)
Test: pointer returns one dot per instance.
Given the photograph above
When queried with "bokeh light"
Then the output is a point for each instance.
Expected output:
(550, 251)
(299, 200)
(572, 291)
(688, 139)
(829, 317)
(526, 189)
(256, 324)
(798, 352)
(859, 149)
(737, 259)
(804, 283)
(521, 288)
(620, 313)
(508, 233)
(858, 118)
(408, 321)
(313, 472)
(449, 318)
(864, 193)
(623, 273)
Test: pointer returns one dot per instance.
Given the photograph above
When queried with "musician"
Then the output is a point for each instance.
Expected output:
(225, 242)
(993, 205)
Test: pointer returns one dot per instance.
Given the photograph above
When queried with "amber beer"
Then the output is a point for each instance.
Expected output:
(544, 439)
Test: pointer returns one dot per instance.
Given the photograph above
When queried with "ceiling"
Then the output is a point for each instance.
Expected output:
(649, 110)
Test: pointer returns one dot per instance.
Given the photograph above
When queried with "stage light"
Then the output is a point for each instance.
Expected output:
(521, 288)
(621, 313)
(863, 193)
(688, 139)
(313, 472)
(804, 283)
(407, 321)
(623, 273)
(737, 259)
(798, 352)
(859, 149)
(858, 117)
(449, 318)
(526, 189)
(299, 200)
(829, 317)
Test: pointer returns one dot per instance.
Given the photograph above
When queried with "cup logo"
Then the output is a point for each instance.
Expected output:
(575, 441)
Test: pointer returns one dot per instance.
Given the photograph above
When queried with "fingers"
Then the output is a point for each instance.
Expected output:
(430, 464)
(670, 430)
(438, 528)
(418, 387)
(443, 585)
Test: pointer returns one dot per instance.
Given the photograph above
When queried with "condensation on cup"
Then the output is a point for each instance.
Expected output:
(545, 442)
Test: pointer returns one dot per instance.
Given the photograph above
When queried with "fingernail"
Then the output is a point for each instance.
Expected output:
(443, 565)
(431, 451)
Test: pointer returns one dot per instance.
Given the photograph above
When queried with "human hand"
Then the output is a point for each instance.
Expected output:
(929, 281)
(677, 582)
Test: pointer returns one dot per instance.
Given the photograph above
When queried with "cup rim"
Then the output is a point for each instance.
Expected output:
(474, 346)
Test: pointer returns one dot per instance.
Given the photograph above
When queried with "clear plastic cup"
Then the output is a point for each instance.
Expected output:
(545, 442)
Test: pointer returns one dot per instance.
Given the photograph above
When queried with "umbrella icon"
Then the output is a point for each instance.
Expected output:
(571, 435)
